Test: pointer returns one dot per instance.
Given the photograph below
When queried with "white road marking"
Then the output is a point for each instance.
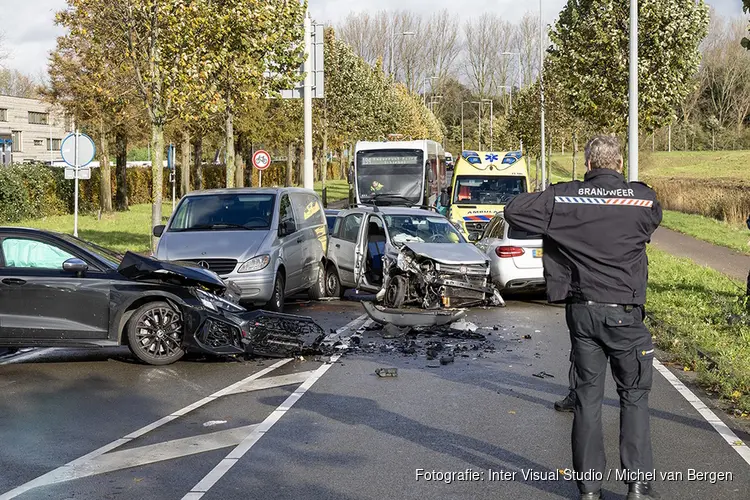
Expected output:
(223, 467)
(271, 382)
(27, 356)
(724, 431)
(52, 476)
(211, 423)
(158, 452)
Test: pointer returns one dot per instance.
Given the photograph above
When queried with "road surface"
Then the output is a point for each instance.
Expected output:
(93, 424)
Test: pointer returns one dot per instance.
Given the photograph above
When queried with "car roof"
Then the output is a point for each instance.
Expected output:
(251, 190)
(393, 211)
(28, 231)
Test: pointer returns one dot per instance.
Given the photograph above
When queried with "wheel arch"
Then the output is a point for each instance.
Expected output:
(125, 312)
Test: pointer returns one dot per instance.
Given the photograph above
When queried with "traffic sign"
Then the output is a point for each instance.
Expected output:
(86, 150)
(261, 160)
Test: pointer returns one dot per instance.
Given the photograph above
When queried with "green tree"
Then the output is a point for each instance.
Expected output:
(589, 57)
(163, 44)
(255, 49)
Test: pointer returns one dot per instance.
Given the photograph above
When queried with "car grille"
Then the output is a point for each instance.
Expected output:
(464, 270)
(219, 266)
(476, 227)
(218, 335)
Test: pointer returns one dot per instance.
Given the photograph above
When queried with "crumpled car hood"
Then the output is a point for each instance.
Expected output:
(139, 268)
(448, 253)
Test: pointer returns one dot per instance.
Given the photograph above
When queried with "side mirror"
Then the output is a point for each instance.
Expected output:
(159, 230)
(286, 227)
(75, 266)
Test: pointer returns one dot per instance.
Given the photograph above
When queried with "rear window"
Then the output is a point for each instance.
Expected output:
(226, 211)
(520, 234)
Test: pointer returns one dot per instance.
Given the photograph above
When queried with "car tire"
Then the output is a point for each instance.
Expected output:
(318, 290)
(155, 333)
(333, 283)
(395, 294)
(276, 304)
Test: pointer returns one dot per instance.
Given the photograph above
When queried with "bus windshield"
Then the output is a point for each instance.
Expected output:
(481, 190)
(390, 177)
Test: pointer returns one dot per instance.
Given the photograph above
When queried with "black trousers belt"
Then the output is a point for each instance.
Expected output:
(627, 307)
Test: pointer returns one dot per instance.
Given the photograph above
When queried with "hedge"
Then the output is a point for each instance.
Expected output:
(33, 191)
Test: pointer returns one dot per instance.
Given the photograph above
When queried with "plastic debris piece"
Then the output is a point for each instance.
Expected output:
(527, 336)
(391, 331)
(463, 326)
(444, 360)
(387, 372)
(543, 375)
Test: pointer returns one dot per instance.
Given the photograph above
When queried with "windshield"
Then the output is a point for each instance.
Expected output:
(390, 177)
(225, 212)
(421, 229)
(110, 257)
(481, 190)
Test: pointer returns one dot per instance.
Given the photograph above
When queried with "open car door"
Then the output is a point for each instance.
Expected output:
(360, 254)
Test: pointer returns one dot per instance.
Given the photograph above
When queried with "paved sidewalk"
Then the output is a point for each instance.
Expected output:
(722, 259)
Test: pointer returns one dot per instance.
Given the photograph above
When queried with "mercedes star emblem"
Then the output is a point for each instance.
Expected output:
(203, 264)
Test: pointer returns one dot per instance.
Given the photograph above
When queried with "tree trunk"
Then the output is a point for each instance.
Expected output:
(229, 144)
(289, 164)
(299, 158)
(575, 154)
(239, 164)
(121, 148)
(105, 182)
(185, 164)
(198, 161)
(343, 164)
(324, 158)
(157, 175)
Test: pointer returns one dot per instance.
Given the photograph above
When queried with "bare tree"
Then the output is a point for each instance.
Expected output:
(17, 84)
(443, 44)
(410, 51)
(481, 55)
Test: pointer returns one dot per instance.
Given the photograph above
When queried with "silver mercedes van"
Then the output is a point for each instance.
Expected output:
(270, 242)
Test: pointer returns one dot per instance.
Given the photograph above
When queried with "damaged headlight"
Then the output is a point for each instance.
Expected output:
(214, 303)
(255, 264)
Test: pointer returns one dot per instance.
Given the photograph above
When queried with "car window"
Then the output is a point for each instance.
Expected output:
(334, 226)
(490, 228)
(307, 210)
(421, 228)
(498, 229)
(26, 253)
(350, 227)
(520, 234)
(285, 211)
(241, 211)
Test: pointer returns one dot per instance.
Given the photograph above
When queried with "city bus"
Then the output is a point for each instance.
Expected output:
(398, 173)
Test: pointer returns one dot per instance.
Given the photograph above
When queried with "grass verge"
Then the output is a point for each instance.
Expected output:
(336, 190)
(734, 236)
(699, 315)
(119, 231)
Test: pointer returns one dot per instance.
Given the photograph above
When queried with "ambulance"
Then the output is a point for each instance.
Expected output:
(483, 182)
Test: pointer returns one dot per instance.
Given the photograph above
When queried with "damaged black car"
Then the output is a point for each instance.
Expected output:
(59, 291)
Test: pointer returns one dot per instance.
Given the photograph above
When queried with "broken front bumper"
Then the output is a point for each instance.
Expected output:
(261, 333)
(412, 317)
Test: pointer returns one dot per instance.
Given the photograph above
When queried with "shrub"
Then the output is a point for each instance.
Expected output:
(727, 200)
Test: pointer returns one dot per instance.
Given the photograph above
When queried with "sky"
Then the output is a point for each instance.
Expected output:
(30, 32)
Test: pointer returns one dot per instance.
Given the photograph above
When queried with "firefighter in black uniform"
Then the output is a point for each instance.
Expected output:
(594, 236)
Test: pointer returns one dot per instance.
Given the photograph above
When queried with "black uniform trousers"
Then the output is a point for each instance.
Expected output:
(600, 332)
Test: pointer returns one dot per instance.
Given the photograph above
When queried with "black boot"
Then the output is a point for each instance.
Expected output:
(591, 496)
(567, 404)
(641, 491)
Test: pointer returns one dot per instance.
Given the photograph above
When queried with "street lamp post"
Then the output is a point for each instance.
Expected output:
(480, 123)
(424, 87)
(393, 39)
(492, 115)
(462, 125)
(633, 97)
(541, 95)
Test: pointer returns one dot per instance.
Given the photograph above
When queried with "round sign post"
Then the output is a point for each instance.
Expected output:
(261, 161)
(77, 150)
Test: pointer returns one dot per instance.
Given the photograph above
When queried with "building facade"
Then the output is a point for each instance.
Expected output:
(30, 130)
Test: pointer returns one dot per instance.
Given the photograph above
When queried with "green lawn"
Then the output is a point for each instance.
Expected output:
(692, 164)
(130, 230)
(697, 164)
(119, 231)
(698, 315)
(734, 236)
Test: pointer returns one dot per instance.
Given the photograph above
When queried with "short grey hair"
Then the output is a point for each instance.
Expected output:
(603, 151)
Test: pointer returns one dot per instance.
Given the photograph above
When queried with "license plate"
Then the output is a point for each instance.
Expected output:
(537, 252)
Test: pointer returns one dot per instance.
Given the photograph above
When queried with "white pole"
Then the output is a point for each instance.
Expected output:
(462, 126)
(260, 178)
(76, 163)
(541, 92)
(174, 176)
(633, 97)
(492, 115)
(308, 164)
